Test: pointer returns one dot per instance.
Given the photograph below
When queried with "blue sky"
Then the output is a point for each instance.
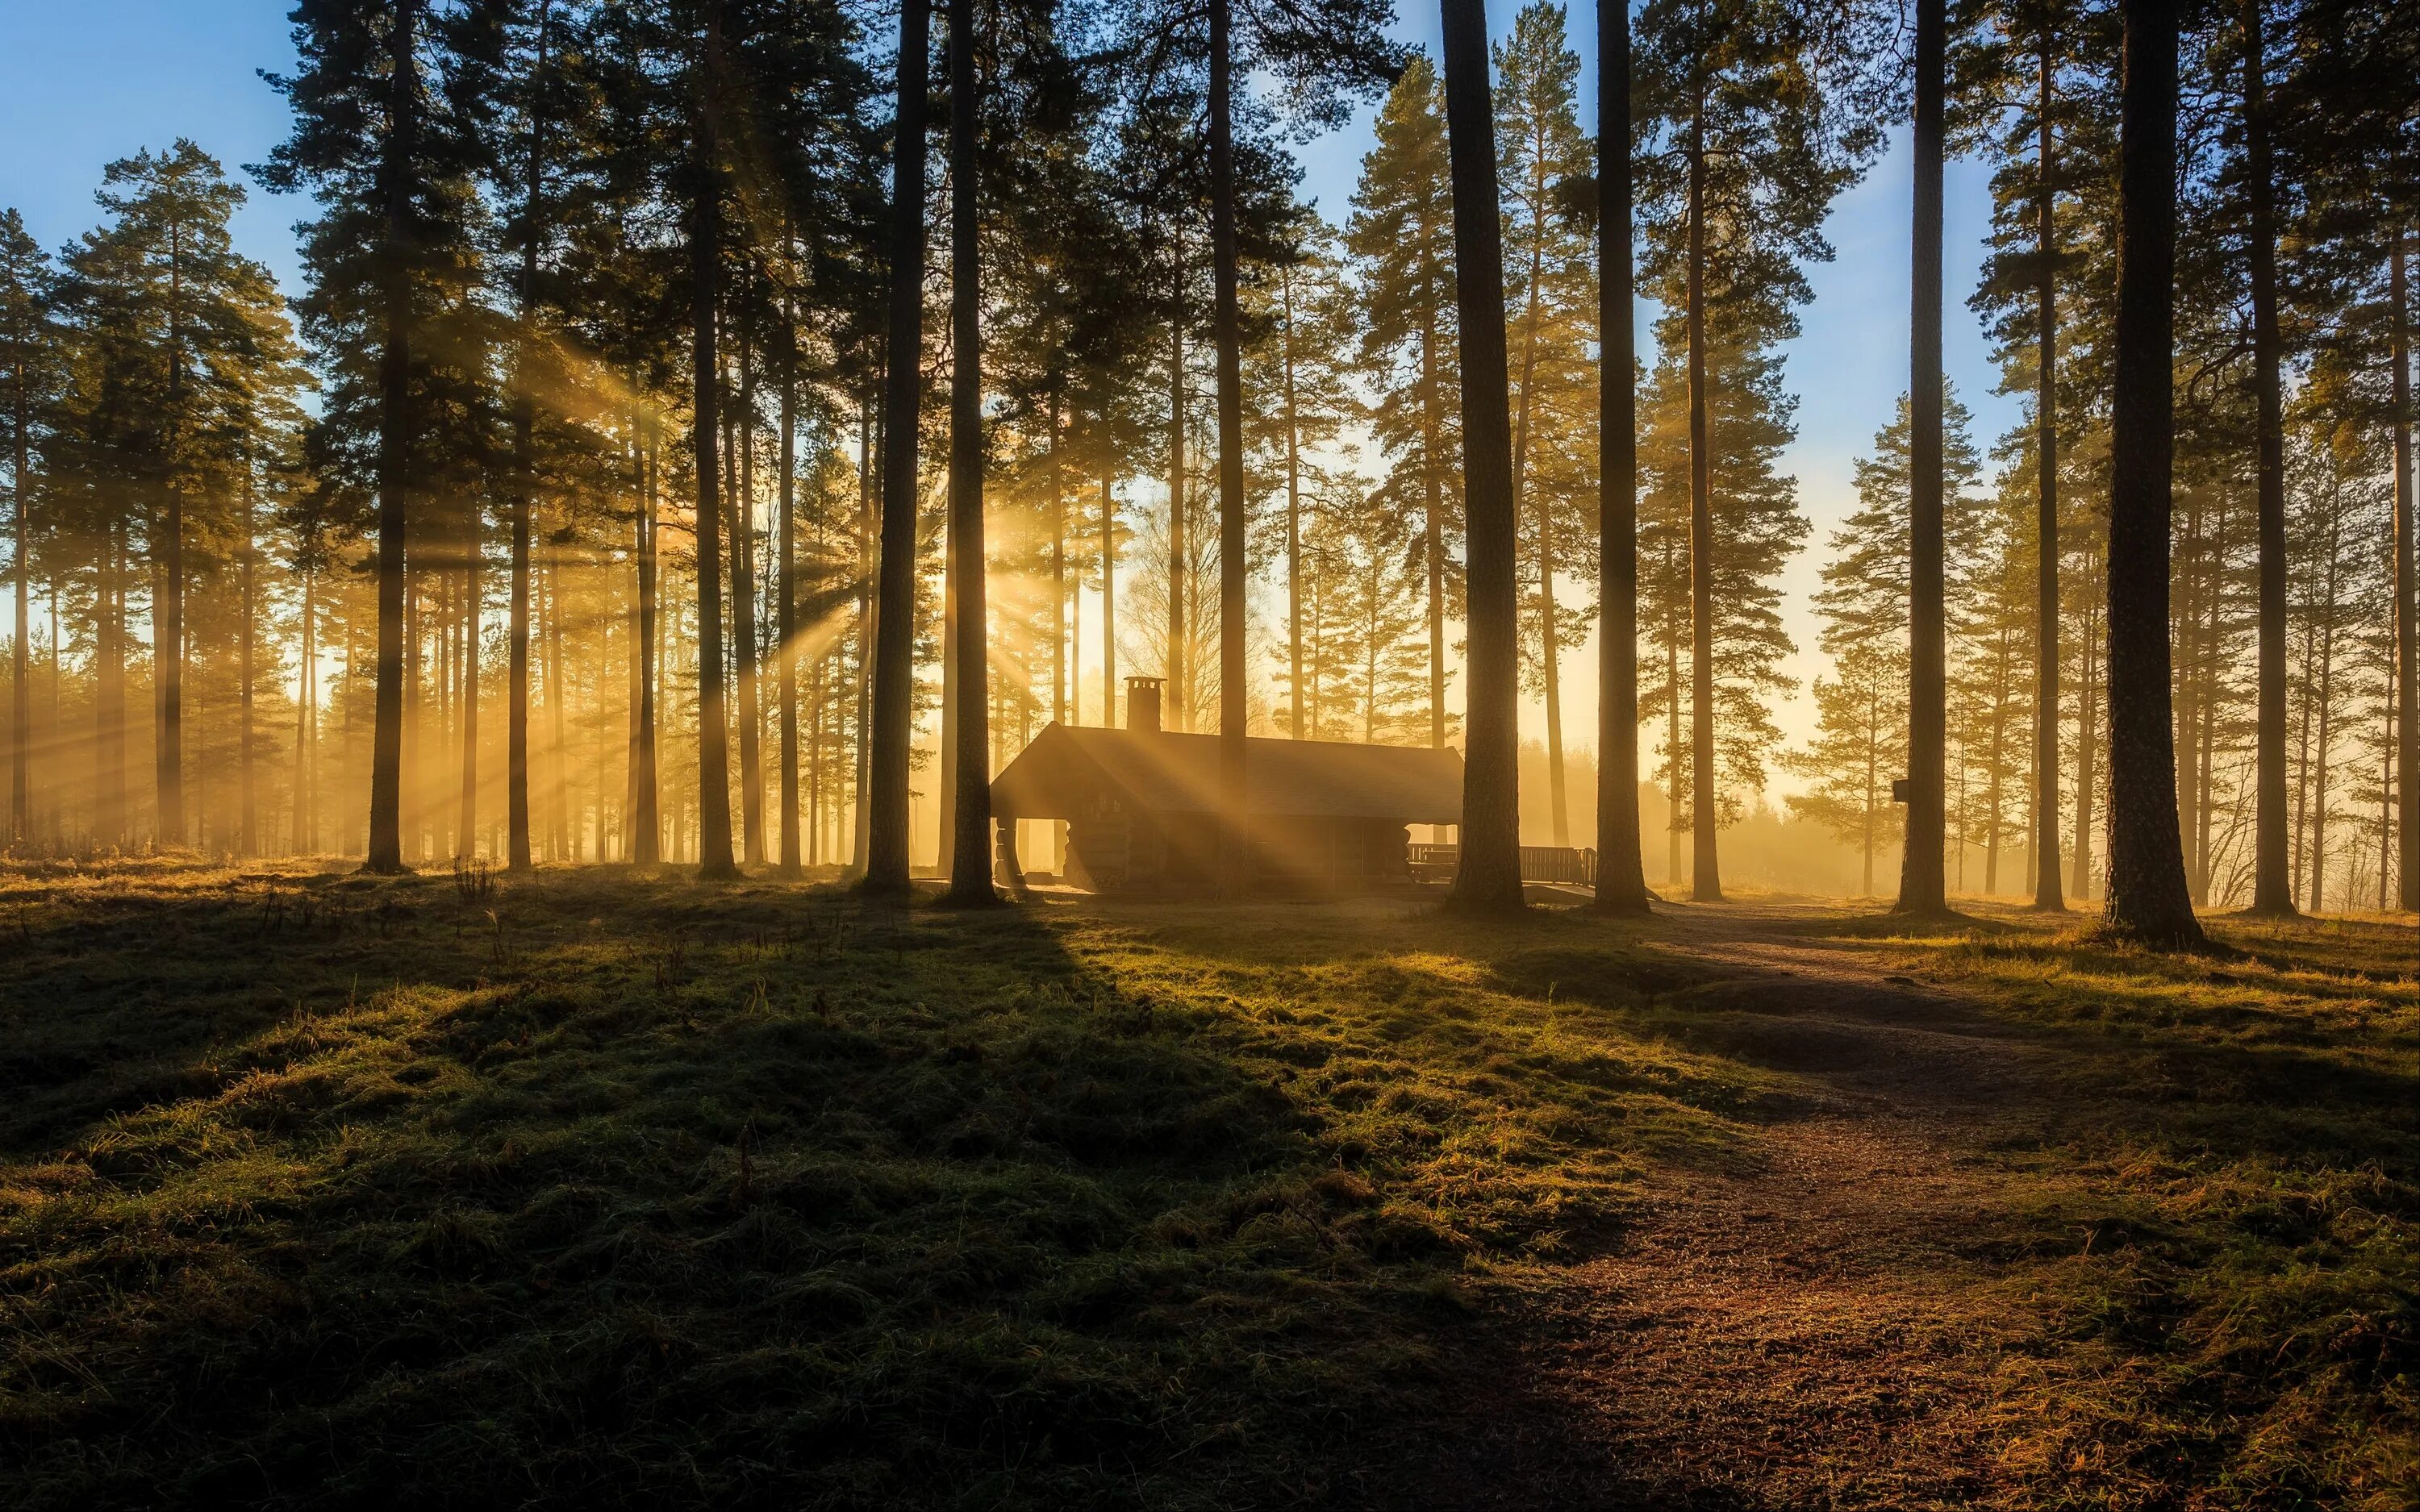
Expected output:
(85, 81)
(82, 81)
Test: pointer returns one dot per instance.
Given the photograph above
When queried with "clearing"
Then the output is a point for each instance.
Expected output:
(597, 1190)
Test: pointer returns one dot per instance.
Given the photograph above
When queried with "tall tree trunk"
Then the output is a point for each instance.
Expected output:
(248, 826)
(706, 268)
(1293, 510)
(109, 693)
(1874, 788)
(1433, 523)
(168, 606)
(2327, 733)
(306, 726)
(786, 626)
(1550, 652)
(1176, 667)
(466, 829)
(2272, 886)
(646, 826)
(517, 818)
(2148, 896)
(2046, 545)
(1620, 875)
(560, 844)
(21, 693)
(970, 850)
(415, 771)
(743, 598)
(1490, 872)
(888, 820)
(868, 528)
(1547, 658)
(1998, 764)
(394, 438)
(1707, 884)
(1922, 886)
(1109, 597)
(1674, 775)
(2407, 595)
(1059, 596)
(2087, 756)
(1234, 835)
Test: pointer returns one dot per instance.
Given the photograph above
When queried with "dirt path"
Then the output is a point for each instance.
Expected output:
(1803, 1335)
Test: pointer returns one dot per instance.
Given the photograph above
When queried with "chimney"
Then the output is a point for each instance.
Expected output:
(1142, 703)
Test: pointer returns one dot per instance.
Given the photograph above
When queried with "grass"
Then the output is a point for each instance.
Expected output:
(592, 1191)
(2218, 1200)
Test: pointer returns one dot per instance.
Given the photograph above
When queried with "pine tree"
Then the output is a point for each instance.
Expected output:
(29, 379)
(1746, 144)
(1620, 876)
(1863, 730)
(1401, 238)
(2148, 894)
(1923, 879)
(1552, 300)
(1754, 520)
(894, 691)
(2030, 89)
(1489, 874)
(390, 153)
(1302, 370)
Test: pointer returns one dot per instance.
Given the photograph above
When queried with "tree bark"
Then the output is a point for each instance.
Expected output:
(2327, 638)
(785, 628)
(887, 818)
(1293, 513)
(1706, 885)
(305, 706)
(386, 854)
(2407, 599)
(1109, 597)
(1057, 566)
(2273, 884)
(466, 828)
(1234, 836)
(743, 596)
(517, 817)
(248, 827)
(868, 528)
(1922, 884)
(21, 693)
(2088, 749)
(1175, 667)
(706, 269)
(971, 853)
(1557, 804)
(168, 607)
(2047, 896)
(646, 848)
(1489, 877)
(2148, 894)
(1620, 873)
(1432, 525)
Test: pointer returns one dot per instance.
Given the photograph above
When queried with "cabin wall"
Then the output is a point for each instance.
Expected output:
(1114, 851)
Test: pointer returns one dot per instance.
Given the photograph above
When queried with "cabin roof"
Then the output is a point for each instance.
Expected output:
(1059, 775)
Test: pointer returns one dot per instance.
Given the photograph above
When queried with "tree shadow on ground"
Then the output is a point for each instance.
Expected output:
(590, 1192)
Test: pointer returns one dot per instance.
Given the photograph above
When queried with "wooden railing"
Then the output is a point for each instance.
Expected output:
(1573, 866)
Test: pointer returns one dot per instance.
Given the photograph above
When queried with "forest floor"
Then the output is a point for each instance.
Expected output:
(595, 1190)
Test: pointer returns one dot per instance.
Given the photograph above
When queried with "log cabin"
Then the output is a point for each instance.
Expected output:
(1140, 804)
